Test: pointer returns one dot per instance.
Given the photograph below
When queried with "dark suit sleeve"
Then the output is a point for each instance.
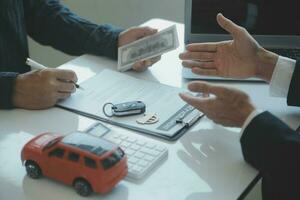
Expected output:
(293, 98)
(7, 80)
(50, 23)
(273, 148)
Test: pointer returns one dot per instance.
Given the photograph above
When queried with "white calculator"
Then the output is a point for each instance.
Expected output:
(143, 154)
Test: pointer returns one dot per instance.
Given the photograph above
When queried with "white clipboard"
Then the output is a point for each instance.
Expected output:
(175, 116)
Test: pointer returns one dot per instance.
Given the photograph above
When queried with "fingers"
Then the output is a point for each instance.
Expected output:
(144, 65)
(200, 104)
(206, 88)
(133, 34)
(140, 66)
(65, 90)
(228, 25)
(66, 75)
(66, 80)
(202, 67)
(155, 59)
(203, 56)
(66, 87)
(208, 47)
(63, 95)
(205, 72)
(198, 64)
(152, 61)
(141, 32)
(64, 83)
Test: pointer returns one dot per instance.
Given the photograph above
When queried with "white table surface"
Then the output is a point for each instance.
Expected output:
(206, 163)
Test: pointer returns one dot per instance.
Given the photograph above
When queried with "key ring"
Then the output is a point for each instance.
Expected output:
(104, 111)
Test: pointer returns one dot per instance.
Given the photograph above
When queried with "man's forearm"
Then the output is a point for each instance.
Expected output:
(51, 23)
(7, 80)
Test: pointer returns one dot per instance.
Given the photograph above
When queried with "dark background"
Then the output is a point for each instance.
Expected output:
(261, 17)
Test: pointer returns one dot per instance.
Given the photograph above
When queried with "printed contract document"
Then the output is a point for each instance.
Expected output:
(174, 115)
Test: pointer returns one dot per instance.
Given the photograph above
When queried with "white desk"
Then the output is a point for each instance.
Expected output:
(206, 163)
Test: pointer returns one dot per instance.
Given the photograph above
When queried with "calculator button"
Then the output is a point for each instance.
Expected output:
(137, 168)
(153, 152)
(129, 152)
(135, 147)
(160, 148)
(149, 158)
(143, 163)
(150, 146)
(139, 155)
(145, 150)
(130, 165)
(117, 141)
(125, 144)
(141, 143)
(131, 139)
(133, 160)
(116, 135)
(123, 137)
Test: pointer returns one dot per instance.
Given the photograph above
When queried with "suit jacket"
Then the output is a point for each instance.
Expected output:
(273, 148)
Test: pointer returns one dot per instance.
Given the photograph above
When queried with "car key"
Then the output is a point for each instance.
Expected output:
(125, 109)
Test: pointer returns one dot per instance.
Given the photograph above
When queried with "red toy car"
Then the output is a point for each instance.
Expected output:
(86, 162)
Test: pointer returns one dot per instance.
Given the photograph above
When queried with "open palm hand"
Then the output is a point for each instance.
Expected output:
(237, 58)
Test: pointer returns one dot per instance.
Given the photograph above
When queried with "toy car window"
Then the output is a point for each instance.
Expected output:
(88, 143)
(90, 162)
(73, 157)
(113, 159)
(58, 152)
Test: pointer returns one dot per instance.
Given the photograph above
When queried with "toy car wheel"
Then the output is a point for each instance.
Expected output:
(82, 187)
(33, 170)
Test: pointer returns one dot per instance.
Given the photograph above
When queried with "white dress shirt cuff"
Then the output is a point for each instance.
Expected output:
(281, 77)
(249, 119)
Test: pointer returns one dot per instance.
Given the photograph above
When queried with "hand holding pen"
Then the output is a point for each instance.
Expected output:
(35, 65)
(40, 89)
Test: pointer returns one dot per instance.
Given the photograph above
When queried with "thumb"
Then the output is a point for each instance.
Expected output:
(143, 32)
(205, 88)
(228, 25)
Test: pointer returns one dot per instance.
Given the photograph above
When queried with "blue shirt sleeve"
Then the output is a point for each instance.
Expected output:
(7, 80)
(50, 23)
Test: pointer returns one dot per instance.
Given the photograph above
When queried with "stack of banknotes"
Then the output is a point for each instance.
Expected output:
(147, 48)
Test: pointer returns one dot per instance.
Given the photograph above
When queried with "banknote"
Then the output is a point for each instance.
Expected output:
(148, 47)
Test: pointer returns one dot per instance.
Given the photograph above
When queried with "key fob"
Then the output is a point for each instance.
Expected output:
(129, 108)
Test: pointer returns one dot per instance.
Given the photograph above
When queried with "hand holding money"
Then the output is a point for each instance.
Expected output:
(147, 49)
(133, 34)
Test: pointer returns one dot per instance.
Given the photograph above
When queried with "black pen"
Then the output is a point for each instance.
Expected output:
(36, 65)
